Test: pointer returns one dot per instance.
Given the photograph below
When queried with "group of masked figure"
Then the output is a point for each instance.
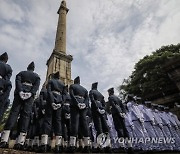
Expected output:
(80, 121)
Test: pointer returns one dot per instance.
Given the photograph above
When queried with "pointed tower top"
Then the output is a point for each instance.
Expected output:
(63, 3)
(63, 6)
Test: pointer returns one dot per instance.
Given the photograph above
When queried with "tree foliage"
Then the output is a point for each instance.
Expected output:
(5, 117)
(149, 76)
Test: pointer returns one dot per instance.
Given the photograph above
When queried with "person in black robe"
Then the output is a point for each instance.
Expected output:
(27, 84)
(53, 114)
(98, 107)
(79, 107)
(5, 83)
(118, 114)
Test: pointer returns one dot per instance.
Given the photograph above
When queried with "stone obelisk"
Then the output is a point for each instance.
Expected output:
(59, 60)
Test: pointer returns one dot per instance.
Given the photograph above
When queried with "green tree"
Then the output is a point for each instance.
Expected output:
(149, 76)
(6, 114)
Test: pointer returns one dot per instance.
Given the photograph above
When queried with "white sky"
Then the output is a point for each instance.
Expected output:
(105, 37)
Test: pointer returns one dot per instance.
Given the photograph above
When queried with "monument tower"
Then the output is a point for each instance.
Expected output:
(59, 60)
